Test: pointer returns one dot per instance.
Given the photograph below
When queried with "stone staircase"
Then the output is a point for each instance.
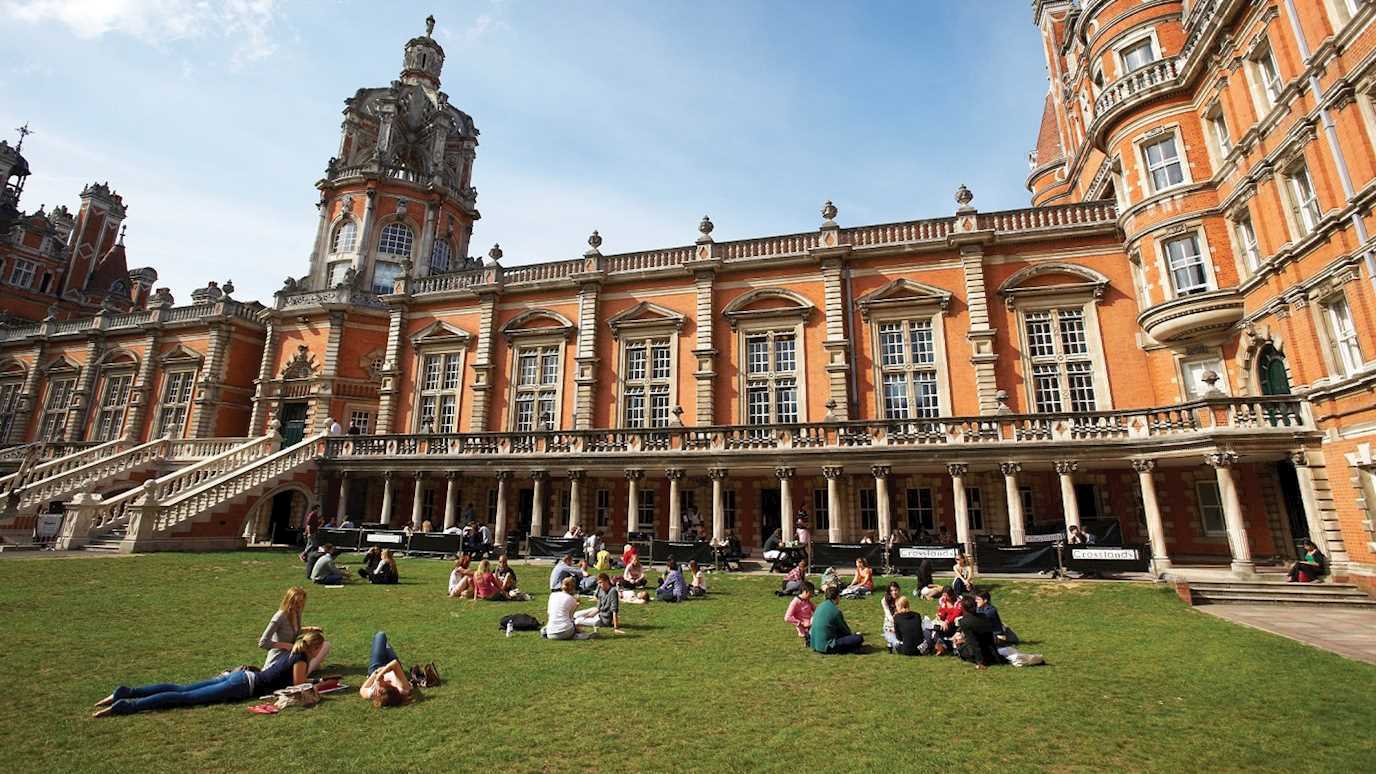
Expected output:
(108, 543)
(1276, 592)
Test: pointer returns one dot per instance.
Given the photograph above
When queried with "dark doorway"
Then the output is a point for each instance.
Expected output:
(1087, 498)
(525, 505)
(356, 509)
(769, 513)
(279, 522)
(293, 419)
(1294, 502)
(1271, 374)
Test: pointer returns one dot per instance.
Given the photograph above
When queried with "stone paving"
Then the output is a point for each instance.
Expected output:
(1349, 632)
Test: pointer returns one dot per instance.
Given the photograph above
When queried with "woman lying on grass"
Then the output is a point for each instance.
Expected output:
(233, 686)
(387, 684)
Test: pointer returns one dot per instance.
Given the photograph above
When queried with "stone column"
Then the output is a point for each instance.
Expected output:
(785, 476)
(482, 362)
(836, 533)
(1156, 531)
(451, 498)
(1065, 470)
(387, 478)
(718, 475)
(391, 371)
(342, 509)
(1017, 531)
(261, 399)
(958, 471)
(674, 475)
(837, 345)
(418, 495)
(633, 477)
(537, 505)
(585, 359)
(1222, 463)
(576, 497)
(499, 529)
(329, 371)
(881, 500)
(704, 352)
(1309, 495)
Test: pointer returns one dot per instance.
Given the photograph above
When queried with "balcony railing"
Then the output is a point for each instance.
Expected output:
(1281, 414)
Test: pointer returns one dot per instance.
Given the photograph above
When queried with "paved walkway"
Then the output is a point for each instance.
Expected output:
(1349, 632)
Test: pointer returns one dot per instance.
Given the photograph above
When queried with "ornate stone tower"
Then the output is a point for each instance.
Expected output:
(398, 196)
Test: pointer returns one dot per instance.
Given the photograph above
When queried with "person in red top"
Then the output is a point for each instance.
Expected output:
(628, 554)
(947, 611)
(486, 585)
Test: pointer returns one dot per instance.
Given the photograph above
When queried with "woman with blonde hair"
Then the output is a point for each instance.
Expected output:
(863, 583)
(385, 572)
(461, 579)
(231, 686)
(964, 582)
(285, 627)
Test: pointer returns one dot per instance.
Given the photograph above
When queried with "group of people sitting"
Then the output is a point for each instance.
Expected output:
(294, 653)
(485, 582)
(967, 624)
(379, 566)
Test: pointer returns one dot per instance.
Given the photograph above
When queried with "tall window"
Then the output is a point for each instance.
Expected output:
(647, 383)
(821, 509)
(439, 392)
(1218, 129)
(1029, 510)
(1139, 54)
(869, 511)
(1062, 366)
(728, 507)
(1268, 75)
(1210, 508)
(1304, 202)
(345, 235)
(176, 402)
(55, 409)
(603, 508)
(9, 401)
(22, 273)
(907, 361)
(395, 239)
(439, 257)
(537, 388)
(645, 511)
(337, 272)
(1344, 335)
(113, 401)
(1186, 263)
(974, 507)
(385, 275)
(1163, 163)
(363, 420)
(771, 387)
(921, 510)
(1247, 242)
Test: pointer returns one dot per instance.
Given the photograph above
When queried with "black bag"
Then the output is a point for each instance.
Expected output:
(520, 622)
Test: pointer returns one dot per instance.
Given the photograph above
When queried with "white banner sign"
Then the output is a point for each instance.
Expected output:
(1046, 537)
(927, 553)
(49, 524)
(1105, 554)
(385, 537)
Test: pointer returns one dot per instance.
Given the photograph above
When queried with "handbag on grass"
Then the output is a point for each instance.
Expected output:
(303, 696)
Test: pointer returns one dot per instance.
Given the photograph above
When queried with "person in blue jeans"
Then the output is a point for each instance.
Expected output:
(672, 588)
(234, 686)
(387, 684)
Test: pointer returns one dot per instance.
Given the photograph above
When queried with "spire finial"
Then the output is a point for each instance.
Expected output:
(430, 26)
(24, 131)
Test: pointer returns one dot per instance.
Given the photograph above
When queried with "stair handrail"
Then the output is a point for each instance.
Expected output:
(52, 486)
(212, 467)
(51, 467)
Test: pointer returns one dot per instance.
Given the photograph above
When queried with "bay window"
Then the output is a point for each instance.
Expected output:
(1165, 168)
(1185, 262)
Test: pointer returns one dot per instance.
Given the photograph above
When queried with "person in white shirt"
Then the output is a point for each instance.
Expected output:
(562, 605)
(335, 429)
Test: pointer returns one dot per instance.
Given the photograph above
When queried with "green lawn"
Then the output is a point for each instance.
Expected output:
(1136, 681)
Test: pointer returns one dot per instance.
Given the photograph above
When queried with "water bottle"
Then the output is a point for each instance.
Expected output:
(509, 629)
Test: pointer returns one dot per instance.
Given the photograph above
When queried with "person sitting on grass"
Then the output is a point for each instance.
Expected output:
(607, 612)
(603, 561)
(562, 605)
(698, 586)
(863, 583)
(829, 632)
(285, 627)
(1311, 567)
(370, 560)
(461, 578)
(237, 685)
(633, 577)
(926, 588)
(387, 684)
(947, 611)
(587, 579)
(984, 607)
(964, 581)
(911, 636)
(793, 582)
(312, 555)
(974, 640)
(564, 568)
(628, 555)
(671, 587)
(506, 575)
(485, 584)
(889, 604)
(385, 573)
(325, 571)
(800, 611)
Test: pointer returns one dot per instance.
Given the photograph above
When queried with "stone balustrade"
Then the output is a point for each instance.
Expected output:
(194, 313)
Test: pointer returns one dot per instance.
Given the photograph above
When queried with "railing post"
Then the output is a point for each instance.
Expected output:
(76, 531)
(143, 519)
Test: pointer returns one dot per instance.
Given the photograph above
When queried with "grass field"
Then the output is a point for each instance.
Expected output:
(1136, 681)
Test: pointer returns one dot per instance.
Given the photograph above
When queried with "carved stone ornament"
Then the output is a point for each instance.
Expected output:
(964, 196)
(595, 240)
(829, 213)
(705, 226)
(301, 366)
(494, 255)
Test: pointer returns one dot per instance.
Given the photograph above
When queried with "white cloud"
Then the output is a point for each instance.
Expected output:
(247, 25)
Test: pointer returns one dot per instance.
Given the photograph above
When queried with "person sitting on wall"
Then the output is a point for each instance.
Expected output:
(1076, 536)
(564, 568)
(1312, 566)
(672, 588)
(800, 610)
(867, 539)
(325, 571)
(348, 524)
(829, 632)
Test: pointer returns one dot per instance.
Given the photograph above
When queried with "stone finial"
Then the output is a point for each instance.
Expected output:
(494, 255)
(963, 198)
(227, 288)
(1211, 377)
(1001, 397)
(705, 228)
(430, 26)
(162, 297)
(678, 416)
(831, 407)
(595, 240)
(829, 213)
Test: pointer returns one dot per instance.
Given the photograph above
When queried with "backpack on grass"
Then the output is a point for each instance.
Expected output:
(520, 622)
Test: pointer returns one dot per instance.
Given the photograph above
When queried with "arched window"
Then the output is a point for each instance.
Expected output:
(396, 239)
(439, 257)
(344, 235)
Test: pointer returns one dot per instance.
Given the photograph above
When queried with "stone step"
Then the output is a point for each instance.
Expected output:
(1279, 599)
(1283, 589)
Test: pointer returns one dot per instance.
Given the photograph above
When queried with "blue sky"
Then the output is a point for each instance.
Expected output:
(214, 118)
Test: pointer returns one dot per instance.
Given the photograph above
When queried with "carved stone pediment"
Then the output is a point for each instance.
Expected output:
(301, 365)
(901, 293)
(645, 316)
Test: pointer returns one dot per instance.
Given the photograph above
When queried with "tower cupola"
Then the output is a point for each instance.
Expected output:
(423, 58)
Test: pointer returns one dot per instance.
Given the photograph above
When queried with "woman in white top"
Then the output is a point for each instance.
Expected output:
(562, 605)
(285, 626)
(890, 604)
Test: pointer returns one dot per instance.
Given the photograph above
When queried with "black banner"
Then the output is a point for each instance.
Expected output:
(991, 558)
(839, 554)
(906, 559)
(1098, 558)
(681, 551)
(434, 543)
(553, 547)
(339, 538)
